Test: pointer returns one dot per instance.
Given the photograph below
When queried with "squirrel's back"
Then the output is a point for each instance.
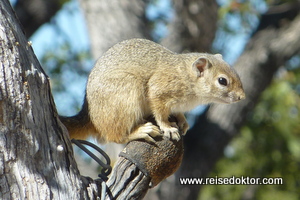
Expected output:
(129, 55)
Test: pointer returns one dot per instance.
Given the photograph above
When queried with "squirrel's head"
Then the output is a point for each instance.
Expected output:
(220, 82)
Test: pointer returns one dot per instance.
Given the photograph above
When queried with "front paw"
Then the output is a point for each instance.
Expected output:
(171, 133)
(183, 127)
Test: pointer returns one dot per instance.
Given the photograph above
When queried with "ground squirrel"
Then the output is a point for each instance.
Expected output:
(138, 78)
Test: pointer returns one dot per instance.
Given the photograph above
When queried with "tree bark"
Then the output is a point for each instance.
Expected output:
(137, 171)
(36, 157)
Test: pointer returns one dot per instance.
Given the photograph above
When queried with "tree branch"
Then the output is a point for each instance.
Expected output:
(143, 165)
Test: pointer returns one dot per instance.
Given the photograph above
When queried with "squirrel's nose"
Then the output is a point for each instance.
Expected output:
(241, 96)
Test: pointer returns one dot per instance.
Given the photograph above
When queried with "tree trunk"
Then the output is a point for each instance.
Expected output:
(36, 157)
(34, 13)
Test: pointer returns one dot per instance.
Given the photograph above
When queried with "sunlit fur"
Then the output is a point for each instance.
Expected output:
(138, 78)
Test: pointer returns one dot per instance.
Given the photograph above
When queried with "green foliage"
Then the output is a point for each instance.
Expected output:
(62, 2)
(68, 71)
(269, 146)
(62, 59)
(243, 15)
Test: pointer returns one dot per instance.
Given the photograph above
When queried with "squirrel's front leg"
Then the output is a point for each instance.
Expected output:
(181, 122)
(161, 115)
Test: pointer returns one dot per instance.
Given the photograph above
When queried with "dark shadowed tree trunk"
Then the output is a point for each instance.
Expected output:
(34, 13)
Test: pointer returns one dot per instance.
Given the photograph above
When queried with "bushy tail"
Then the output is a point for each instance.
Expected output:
(79, 126)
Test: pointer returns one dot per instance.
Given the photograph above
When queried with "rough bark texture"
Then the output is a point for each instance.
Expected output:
(110, 22)
(36, 161)
(34, 13)
(138, 170)
(121, 176)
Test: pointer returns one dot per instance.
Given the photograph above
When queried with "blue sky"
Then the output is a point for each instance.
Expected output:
(67, 24)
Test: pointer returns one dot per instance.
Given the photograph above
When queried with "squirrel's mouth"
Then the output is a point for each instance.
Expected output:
(230, 100)
(236, 97)
(223, 100)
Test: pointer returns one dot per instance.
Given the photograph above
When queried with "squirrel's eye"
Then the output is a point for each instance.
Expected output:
(223, 81)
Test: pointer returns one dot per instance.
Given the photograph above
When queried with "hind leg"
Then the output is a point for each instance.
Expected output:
(145, 131)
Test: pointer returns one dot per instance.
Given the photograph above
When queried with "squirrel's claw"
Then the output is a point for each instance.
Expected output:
(145, 131)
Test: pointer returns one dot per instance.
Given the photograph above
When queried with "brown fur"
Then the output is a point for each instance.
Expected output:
(138, 78)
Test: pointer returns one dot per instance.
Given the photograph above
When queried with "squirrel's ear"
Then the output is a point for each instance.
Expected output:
(200, 65)
(219, 56)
